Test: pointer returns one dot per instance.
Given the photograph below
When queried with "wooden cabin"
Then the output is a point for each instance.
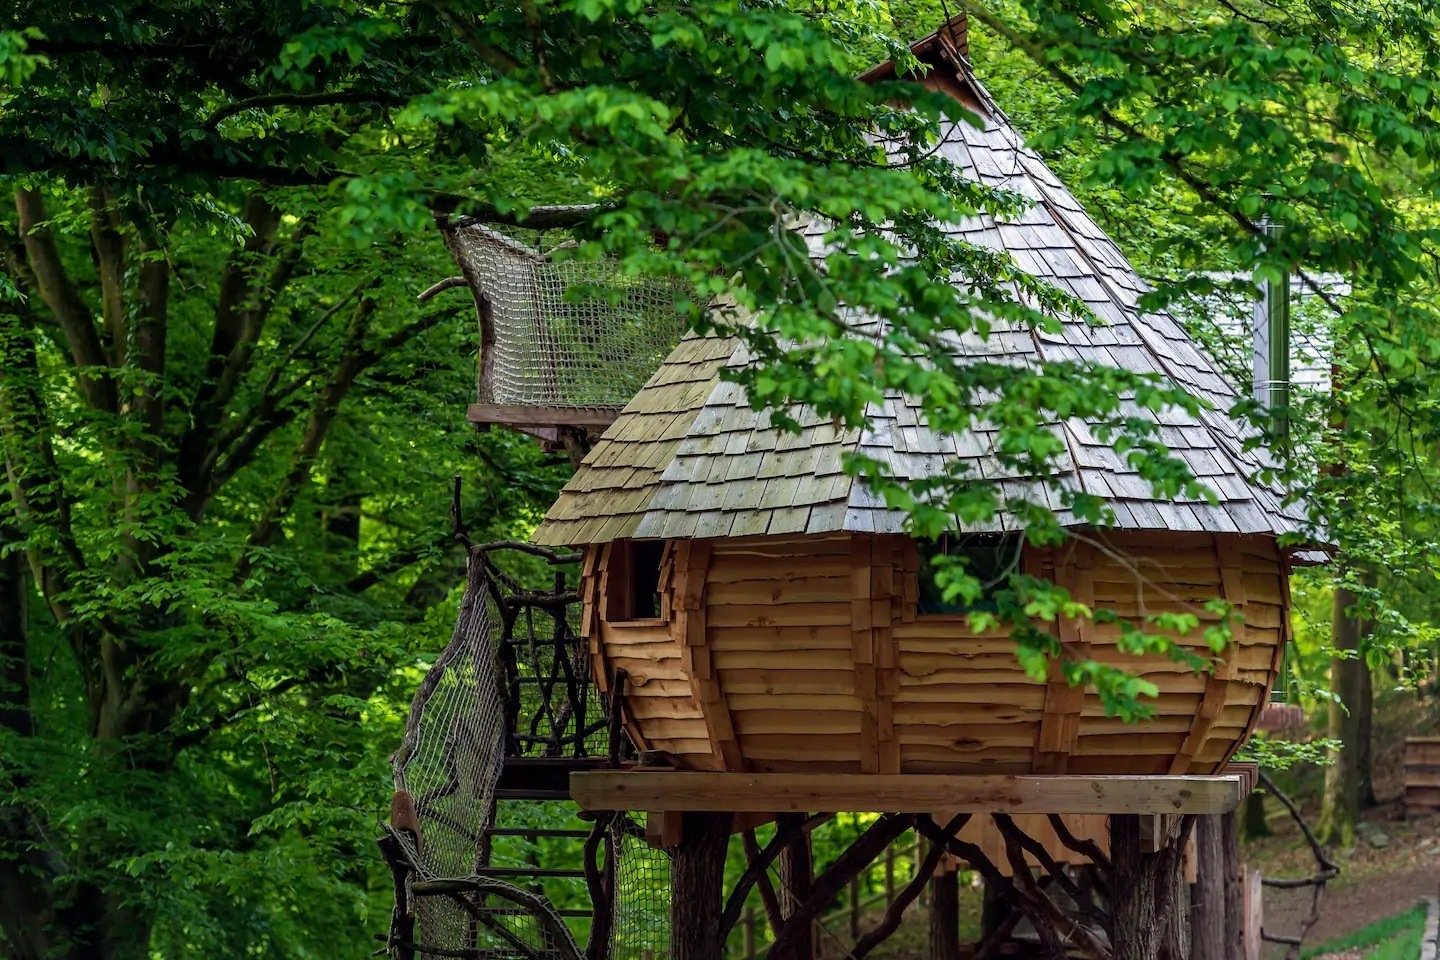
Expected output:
(771, 614)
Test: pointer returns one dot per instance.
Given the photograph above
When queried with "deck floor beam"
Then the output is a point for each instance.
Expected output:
(686, 791)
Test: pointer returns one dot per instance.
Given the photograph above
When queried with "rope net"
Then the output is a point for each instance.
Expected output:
(642, 894)
(484, 879)
(564, 333)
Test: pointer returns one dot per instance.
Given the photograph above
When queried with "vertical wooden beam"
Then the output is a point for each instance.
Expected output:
(884, 560)
(1207, 895)
(1277, 662)
(862, 649)
(1217, 684)
(697, 887)
(1234, 886)
(797, 870)
(691, 565)
(1060, 722)
(945, 915)
(1251, 909)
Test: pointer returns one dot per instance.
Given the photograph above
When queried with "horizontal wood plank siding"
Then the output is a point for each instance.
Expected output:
(814, 658)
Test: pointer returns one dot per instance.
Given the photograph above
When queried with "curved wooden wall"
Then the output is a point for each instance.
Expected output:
(808, 654)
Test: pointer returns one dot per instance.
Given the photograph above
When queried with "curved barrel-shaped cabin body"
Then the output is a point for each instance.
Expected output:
(815, 653)
(771, 614)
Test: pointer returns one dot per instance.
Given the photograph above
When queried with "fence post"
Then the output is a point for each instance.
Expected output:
(748, 933)
(889, 874)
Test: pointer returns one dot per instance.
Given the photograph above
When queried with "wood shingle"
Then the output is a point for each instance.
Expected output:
(688, 457)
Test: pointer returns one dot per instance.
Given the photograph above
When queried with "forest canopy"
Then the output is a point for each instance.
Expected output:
(228, 427)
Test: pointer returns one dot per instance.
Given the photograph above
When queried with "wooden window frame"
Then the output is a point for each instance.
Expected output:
(615, 571)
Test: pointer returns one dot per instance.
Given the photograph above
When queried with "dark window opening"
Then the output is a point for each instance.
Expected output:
(990, 558)
(634, 580)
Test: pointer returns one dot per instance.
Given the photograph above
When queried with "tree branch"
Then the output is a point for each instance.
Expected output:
(490, 55)
(832, 881)
(37, 489)
(895, 912)
(760, 861)
(537, 218)
(393, 564)
(321, 416)
(321, 99)
(226, 336)
(269, 415)
(109, 244)
(61, 296)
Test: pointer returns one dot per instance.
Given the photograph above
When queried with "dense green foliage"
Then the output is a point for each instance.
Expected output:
(227, 428)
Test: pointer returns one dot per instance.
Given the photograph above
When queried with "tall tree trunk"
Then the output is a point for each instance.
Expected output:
(945, 915)
(45, 912)
(1175, 936)
(1142, 888)
(1364, 736)
(26, 907)
(1341, 800)
(697, 882)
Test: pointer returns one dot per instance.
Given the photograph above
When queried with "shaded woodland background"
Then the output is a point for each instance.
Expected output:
(229, 429)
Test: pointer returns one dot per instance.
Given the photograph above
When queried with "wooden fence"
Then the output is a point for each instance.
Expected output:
(1422, 774)
(843, 922)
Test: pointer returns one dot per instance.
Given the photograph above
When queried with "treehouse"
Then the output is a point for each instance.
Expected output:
(760, 620)
(770, 614)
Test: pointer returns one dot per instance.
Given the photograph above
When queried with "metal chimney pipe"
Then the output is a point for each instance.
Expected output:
(1272, 346)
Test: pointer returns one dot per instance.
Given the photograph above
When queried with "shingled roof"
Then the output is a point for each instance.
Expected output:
(689, 458)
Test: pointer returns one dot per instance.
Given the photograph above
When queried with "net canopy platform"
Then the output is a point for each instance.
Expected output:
(564, 342)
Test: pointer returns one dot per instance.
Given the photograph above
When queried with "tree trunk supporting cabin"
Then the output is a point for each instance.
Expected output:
(945, 915)
(697, 887)
(1143, 887)
(1176, 934)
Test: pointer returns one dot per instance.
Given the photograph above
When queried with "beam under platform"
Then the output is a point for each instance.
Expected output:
(687, 791)
(525, 415)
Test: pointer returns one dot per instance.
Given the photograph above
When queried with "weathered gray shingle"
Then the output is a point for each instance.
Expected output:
(706, 465)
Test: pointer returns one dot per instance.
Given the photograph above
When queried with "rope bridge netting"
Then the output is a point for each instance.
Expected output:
(563, 333)
(480, 879)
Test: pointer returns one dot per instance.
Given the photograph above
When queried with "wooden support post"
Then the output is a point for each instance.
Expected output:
(697, 881)
(796, 873)
(1234, 886)
(1207, 895)
(1142, 888)
(945, 915)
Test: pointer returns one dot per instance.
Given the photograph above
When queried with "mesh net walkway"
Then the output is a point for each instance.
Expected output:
(563, 333)
(478, 879)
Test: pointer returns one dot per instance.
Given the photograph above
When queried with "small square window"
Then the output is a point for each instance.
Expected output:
(633, 580)
(989, 557)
